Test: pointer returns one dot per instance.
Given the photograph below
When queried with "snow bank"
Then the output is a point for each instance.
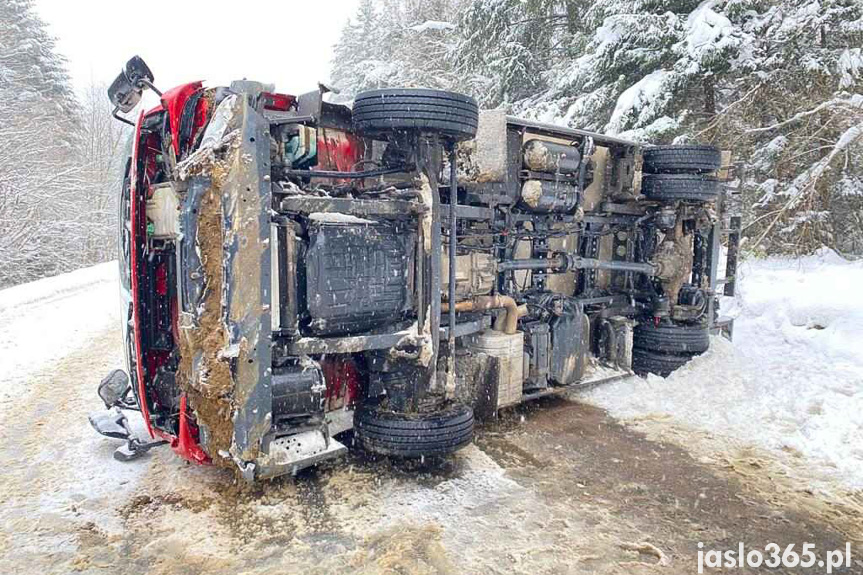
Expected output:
(792, 380)
(43, 321)
(812, 303)
(56, 285)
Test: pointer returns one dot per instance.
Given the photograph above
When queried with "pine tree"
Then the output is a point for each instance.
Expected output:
(795, 115)
(32, 75)
(39, 208)
(492, 55)
(404, 43)
(356, 49)
(640, 69)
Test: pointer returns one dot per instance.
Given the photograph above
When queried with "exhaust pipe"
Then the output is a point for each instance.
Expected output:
(508, 323)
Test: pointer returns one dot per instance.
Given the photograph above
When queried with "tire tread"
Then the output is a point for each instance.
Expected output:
(378, 112)
(692, 158)
(403, 435)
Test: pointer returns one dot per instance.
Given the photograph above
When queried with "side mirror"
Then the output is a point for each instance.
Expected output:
(126, 89)
(138, 71)
(114, 388)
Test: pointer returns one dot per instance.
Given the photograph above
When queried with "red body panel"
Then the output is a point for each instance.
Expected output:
(133, 264)
(173, 102)
(338, 150)
(280, 102)
(185, 443)
(343, 382)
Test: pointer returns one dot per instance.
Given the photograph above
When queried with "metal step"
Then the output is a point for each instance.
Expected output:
(292, 453)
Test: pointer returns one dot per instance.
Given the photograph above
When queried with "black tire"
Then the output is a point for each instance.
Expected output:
(676, 159)
(672, 187)
(662, 364)
(414, 435)
(379, 112)
(671, 338)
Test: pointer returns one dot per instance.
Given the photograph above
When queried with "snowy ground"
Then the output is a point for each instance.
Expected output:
(556, 486)
(791, 381)
(45, 320)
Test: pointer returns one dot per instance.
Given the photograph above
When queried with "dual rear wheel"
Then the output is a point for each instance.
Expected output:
(661, 349)
(674, 173)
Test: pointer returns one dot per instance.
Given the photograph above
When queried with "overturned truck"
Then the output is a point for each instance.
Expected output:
(293, 269)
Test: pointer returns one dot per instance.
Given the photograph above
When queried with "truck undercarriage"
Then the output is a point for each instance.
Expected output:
(293, 269)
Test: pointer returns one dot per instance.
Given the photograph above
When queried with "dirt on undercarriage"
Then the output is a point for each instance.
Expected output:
(553, 487)
(204, 375)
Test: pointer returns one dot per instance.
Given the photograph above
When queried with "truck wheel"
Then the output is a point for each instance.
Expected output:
(378, 112)
(671, 187)
(413, 435)
(662, 364)
(671, 338)
(677, 159)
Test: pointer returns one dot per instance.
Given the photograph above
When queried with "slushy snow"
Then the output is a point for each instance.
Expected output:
(792, 379)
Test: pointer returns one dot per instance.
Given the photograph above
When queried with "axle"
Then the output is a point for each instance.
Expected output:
(561, 262)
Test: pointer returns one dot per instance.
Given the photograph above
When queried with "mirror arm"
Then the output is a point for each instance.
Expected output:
(150, 85)
(127, 402)
(121, 118)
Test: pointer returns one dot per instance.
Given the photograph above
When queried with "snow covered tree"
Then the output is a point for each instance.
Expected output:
(32, 74)
(57, 159)
(404, 43)
(425, 41)
(101, 157)
(648, 69)
(356, 53)
(776, 81)
(37, 148)
(794, 113)
(503, 49)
